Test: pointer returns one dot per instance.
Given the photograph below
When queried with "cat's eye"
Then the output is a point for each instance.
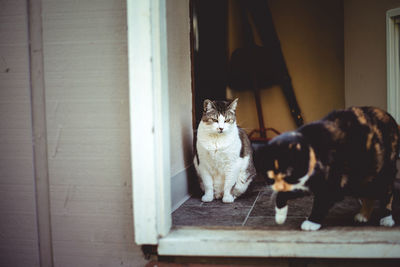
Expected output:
(212, 120)
(227, 120)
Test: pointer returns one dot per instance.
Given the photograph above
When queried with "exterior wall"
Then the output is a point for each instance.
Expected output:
(86, 83)
(86, 77)
(365, 51)
(88, 135)
(86, 80)
(18, 234)
(311, 36)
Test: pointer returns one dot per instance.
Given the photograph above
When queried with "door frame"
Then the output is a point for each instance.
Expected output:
(393, 62)
(149, 119)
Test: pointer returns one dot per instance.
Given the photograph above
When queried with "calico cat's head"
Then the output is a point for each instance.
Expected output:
(287, 161)
(219, 116)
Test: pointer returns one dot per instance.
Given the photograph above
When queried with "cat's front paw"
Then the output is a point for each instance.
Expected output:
(387, 221)
(360, 218)
(310, 226)
(207, 198)
(228, 198)
(280, 214)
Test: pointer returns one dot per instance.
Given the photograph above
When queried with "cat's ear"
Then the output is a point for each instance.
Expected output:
(233, 104)
(208, 105)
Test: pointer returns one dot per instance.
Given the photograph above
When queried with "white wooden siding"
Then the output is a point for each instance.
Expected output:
(392, 69)
(85, 52)
(86, 83)
(18, 234)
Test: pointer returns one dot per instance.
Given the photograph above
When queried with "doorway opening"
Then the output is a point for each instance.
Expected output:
(285, 63)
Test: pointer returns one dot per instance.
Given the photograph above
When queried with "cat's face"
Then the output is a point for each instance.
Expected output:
(219, 116)
(287, 161)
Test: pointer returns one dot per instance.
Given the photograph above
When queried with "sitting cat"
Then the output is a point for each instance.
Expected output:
(349, 152)
(223, 153)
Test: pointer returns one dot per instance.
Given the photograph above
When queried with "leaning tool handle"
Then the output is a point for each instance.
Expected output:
(262, 66)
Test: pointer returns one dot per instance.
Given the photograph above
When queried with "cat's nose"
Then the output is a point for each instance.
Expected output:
(220, 129)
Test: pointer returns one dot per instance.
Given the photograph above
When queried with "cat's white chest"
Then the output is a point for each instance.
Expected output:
(219, 155)
(219, 151)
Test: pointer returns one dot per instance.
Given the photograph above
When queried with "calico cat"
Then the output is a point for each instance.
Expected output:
(349, 152)
(223, 153)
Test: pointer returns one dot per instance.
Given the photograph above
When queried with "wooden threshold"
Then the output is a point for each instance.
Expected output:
(334, 242)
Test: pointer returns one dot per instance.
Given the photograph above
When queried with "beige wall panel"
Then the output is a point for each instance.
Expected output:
(18, 200)
(87, 85)
(14, 85)
(16, 171)
(13, 28)
(97, 254)
(18, 237)
(80, 200)
(15, 142)
(311, 36)
(86, 74)
(15, 115)
(19, 252)
(72, 26)
(365, 51)
(87, 114)
(87, 143)
(79, 171)
(13, 8)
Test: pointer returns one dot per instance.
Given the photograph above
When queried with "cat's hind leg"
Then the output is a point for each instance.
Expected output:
(386, 201)
(364, 214)
(386, 207)
(245, 177)
(322, 204)
(241, 185)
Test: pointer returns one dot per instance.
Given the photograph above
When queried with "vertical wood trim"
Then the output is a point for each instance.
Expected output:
(192, 55)
(393, 70)
(149, 119)
(161, 106)
(39, 138)
(142, 121)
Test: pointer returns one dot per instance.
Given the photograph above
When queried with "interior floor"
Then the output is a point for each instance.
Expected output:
(257, 209)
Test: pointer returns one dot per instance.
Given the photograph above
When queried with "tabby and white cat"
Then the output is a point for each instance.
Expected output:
(349, 152)
(223, 153)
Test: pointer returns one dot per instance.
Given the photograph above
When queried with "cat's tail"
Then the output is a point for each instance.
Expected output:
(241, 186)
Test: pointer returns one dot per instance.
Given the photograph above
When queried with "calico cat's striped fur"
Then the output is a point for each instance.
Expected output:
(349, 152)
(223, 153)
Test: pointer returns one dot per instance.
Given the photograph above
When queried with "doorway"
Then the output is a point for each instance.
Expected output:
(310, 39)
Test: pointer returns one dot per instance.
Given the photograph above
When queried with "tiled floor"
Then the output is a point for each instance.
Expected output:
(256, 209)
